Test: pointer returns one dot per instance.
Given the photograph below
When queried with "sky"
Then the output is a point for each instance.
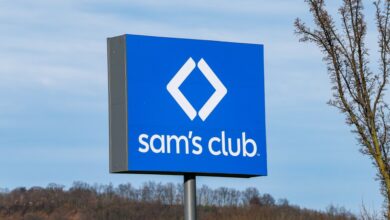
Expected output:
(54, 95)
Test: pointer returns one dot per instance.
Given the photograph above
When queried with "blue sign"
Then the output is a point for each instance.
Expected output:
(186, 106)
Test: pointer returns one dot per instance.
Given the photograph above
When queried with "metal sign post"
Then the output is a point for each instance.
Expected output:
(189, 197)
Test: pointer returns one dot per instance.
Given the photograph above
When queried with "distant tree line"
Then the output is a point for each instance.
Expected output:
(149, 201)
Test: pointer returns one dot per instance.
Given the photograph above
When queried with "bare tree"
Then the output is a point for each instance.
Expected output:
(249, 194)
(222, 193)
(267, 200)
(179, 194)
(357, 90)
(148, 192)
(170, 191)
(127, 191)
(205, 196)
(234, 197)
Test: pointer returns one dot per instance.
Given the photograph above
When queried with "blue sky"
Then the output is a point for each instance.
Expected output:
(53, 95)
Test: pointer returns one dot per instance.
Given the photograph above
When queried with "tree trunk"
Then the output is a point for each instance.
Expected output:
(384, 173)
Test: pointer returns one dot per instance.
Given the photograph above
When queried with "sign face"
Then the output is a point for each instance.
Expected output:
(186, 106)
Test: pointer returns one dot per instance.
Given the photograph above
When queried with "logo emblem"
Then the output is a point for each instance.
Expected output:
(181, 76)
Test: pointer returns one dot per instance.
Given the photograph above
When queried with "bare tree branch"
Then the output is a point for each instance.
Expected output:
(358, 92)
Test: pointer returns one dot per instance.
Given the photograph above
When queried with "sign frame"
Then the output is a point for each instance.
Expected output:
(118, 112)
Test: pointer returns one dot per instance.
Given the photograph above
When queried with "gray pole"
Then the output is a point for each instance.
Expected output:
(189, 197)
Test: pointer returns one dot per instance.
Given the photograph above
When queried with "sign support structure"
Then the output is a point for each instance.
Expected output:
(189, 197)
(186, 107)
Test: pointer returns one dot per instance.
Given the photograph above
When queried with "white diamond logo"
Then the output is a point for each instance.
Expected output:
(181, 76)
